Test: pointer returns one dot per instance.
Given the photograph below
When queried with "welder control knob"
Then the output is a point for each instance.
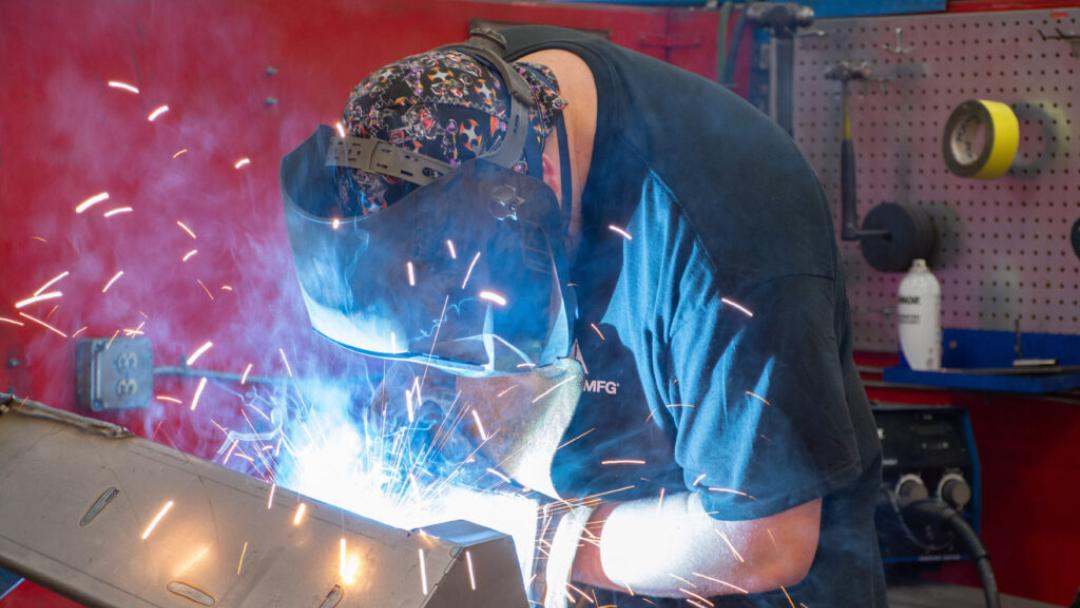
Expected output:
(954, 490)
(910, 488)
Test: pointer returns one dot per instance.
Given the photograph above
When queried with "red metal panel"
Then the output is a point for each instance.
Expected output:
(241, 80)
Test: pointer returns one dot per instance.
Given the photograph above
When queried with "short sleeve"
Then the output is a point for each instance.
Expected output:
(758, 399)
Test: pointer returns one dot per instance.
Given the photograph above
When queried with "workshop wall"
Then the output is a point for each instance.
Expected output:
(250, 80)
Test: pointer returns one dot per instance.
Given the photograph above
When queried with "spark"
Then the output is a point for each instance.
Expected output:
(226, 288)
(472, 576)
(660, 502)
(243, 162)
(198, 393)
(243, 378)
(116, 84)
(772, 538)
(727, 541)
(185, 228)
(731, 491)
(493, 297)
(621, 232)
(240, 564)
(157, 519)
(698, 480)
(737, 306)
(270, 500)
(569, 441)
(43, 324)
(479, 425)
(696, 604)
(108, 345)
(39, 238)
(551, 390)
(158, 111)
(598, 332)
(335, 223)
(51, 282)
(409, 405)
(187, 256)
(118, 211)
(468, 273)
(114, 279)
(412, 274)
(90, 202)
(623, 461)
(12, 321)
(452, 249)
(500, 475)
(229, 454)
(167, 398)
(199, 352)
(299, 515)
(285, 360)
(340, 130)
(137, 331)
(681, 579)
(758, 397)
(52, 295)
(79, 331)
(205, 289)
(724, 583)
(179, 152)
(423, 572)
(686, 405)
(788, 596)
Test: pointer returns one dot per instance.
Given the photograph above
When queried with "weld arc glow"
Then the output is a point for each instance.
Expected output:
(157, 519)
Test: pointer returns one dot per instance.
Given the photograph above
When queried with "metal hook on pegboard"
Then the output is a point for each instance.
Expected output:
(1072, 39)
(899, 48)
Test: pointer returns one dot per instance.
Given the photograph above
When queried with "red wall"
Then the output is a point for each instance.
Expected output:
(65, 135)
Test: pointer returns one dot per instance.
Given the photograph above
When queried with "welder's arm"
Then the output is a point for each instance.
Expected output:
(644, 545)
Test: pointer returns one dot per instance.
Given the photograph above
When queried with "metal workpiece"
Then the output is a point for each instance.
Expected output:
(1004, 250)
(110, 519)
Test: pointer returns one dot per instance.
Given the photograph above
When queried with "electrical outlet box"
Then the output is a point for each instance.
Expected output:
(114, 374)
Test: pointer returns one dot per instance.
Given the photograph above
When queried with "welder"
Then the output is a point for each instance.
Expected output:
(537, 201)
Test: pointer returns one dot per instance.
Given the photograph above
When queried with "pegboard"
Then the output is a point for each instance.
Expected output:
(1003, 245)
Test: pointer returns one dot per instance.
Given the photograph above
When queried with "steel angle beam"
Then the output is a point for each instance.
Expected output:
(110, 519)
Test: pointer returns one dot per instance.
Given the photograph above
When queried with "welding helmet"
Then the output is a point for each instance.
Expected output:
(467, 273)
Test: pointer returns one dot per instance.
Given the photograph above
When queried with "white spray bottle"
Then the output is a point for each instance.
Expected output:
(919, 318)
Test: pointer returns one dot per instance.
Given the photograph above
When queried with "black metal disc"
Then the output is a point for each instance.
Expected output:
(910, 236)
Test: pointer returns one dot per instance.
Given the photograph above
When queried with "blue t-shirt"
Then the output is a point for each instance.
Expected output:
(713, 324)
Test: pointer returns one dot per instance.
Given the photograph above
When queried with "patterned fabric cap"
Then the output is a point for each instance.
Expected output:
(444, 104)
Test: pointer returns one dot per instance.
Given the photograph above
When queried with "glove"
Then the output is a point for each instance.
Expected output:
(559, 534)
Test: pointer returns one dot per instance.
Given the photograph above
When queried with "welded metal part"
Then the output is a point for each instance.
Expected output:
(114, 374)
(221, 544)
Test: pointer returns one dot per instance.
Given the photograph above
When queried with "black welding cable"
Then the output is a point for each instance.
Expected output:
(937, 511)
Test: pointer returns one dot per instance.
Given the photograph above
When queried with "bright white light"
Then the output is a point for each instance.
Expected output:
(198, 393)
(299, 516)
(423, 572)
(335, 223)
(493, 297)
(468, 273)
(157, 519)
(90, 202)
(412, 274)
(479, 426)
(187, 256)
(115, 278)
(621, 232)
(199, 352)
(340, 130)
(243, 162)
(52, 295)
(452, 249)
(737, 306)
(116, 84)
(185, 228)
(157, 112)
(118, 211)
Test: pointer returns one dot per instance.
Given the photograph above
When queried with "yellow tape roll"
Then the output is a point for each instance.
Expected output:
(981, 139)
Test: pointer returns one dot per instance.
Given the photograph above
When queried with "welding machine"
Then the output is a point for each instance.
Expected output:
(928, 452)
